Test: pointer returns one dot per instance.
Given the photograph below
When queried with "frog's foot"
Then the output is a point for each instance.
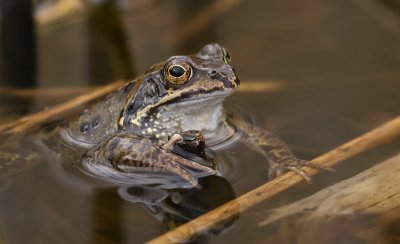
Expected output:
(192, 141)
(162, 162)
(169, 145)
(188, 144)
(129, 153)
(296, 165)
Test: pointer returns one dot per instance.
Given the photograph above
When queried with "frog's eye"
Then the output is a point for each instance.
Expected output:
(177, 73)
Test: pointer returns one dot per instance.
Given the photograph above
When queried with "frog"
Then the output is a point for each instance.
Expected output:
(135, 128)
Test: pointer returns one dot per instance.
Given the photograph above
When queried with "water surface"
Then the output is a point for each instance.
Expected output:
(339, 72)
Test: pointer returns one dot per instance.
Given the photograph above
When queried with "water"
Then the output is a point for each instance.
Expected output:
(338, 69)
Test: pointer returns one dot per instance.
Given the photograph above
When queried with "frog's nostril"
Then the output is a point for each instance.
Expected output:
(212, 73)
(237, 80)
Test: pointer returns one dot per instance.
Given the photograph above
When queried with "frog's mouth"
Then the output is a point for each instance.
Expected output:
(202, 91)
(189, 98)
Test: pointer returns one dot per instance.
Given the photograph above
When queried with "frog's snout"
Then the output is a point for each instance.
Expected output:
(235, 78)
(227, 76)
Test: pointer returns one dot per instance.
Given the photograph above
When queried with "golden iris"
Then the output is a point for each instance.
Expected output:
(177, 73)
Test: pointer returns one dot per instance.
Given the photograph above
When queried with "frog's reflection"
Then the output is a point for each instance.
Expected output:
(176, 207)
(174, 204)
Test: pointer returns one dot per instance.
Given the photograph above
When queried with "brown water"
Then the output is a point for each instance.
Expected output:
(338, 66)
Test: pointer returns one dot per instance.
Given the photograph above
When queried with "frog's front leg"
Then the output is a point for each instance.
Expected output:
(129, 153)
(276, 151)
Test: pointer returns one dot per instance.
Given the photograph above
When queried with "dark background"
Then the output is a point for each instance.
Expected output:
(337, 61)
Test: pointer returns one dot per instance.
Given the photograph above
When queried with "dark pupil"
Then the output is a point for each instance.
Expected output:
(176, 71)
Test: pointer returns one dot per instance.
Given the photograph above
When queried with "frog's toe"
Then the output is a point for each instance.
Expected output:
(317, 166)
(180, 167)
(296, 166)
(184, 175)
(168, 146)
(300, 171)
(278, 169)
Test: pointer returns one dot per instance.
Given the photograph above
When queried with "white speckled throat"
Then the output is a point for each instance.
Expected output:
(204, 113)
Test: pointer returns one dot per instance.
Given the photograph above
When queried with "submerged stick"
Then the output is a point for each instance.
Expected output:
(377, 136)
(55, 92)
(29, 121)
(373, 191)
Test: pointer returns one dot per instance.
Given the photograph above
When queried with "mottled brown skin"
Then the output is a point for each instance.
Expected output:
(141, 105)
(127, 129)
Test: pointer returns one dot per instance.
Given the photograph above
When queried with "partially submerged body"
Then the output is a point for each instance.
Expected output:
(127, 132)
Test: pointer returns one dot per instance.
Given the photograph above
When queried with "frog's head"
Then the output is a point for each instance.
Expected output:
(182, 93)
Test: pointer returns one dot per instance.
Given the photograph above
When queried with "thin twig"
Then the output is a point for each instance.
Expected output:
(29, 121)
(378, 136)
(53, 91)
